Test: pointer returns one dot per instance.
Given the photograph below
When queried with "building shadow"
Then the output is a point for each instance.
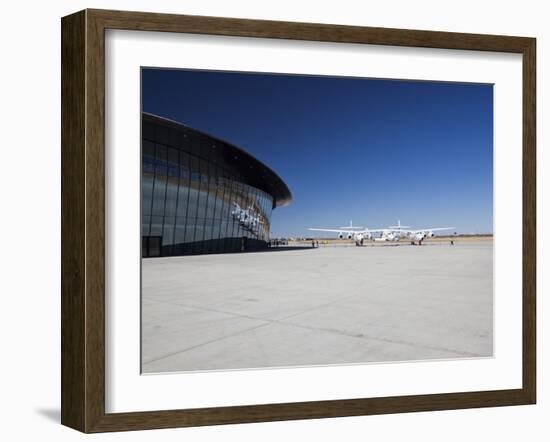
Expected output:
(280, 249)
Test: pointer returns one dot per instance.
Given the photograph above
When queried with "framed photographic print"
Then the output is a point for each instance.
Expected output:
(270, 220)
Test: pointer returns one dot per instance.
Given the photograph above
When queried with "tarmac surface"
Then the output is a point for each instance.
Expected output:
(331, 305)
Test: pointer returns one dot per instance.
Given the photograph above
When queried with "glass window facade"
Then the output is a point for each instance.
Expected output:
(202, 195)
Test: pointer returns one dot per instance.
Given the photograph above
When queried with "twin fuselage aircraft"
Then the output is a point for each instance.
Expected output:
(391, 233)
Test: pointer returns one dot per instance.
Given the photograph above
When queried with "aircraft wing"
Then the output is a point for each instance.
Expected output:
(330, 230)
(346, 230)
(430, 229)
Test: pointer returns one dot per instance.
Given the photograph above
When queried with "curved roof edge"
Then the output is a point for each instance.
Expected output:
(255, 172)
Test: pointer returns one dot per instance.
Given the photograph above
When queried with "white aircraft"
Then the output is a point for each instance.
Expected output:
(416, 234)
(391, 233)
(351, 232)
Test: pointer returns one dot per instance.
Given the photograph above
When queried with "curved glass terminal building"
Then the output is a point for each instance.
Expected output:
(200, 194)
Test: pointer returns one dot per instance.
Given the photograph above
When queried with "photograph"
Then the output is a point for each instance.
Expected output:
(306, 220)
(326, 218)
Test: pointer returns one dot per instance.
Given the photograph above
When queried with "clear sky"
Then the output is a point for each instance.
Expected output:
(368, 150)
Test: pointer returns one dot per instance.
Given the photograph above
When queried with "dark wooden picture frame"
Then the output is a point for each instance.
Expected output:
(83, 220)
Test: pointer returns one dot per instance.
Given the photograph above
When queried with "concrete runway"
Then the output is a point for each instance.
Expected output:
(332, 305)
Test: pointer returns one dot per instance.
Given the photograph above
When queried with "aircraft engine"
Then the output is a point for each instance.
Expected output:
(350, 236)
(419, 236)
(431, 234)
(341, 235)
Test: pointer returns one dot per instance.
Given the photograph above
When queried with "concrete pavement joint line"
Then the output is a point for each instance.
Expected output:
(301, 312)
(391, 341)
(325, 330)
(213, 310)
(205, 343)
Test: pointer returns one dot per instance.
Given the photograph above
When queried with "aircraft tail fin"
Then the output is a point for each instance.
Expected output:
(351, 226)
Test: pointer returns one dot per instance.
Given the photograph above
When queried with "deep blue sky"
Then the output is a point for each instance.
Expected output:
(369, 150)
